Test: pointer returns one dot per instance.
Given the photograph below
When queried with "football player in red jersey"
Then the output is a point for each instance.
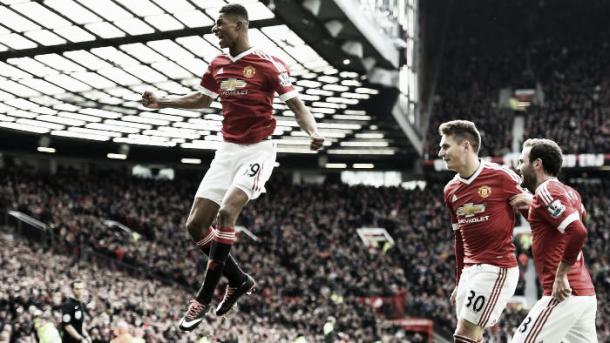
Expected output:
(478, 199)
(245, 80)
(567, 309)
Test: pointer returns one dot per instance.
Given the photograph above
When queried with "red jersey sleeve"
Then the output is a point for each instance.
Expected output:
(459, 243)
(452, 215)
(280, 80)
(553, 204)
(209, 86)
(512, 183)
(512, 187)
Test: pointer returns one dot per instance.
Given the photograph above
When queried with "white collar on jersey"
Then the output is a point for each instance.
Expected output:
(474, 176)
(236, 58)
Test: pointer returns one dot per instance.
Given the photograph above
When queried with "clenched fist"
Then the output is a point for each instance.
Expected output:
(150, 100)
(317, 141)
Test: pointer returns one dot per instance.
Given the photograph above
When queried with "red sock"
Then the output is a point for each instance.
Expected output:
(225, 235)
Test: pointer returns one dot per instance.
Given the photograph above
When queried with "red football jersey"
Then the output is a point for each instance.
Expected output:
(554, 207)
(482, 216)
(246, 85)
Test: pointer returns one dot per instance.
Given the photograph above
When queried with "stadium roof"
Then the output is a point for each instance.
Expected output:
(76, 69)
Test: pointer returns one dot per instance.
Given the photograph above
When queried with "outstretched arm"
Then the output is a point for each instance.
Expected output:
(306, 121)
(192, 101)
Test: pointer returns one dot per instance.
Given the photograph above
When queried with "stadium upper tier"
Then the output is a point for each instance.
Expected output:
(77, 69)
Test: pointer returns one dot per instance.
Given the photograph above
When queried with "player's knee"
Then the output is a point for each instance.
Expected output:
(192, 227)
(227, 215)
(468, 331)
(465, 339)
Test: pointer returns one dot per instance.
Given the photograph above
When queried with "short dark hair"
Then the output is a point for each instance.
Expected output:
(548, 152)
(73, 283)
(462, 130)
(236, 10)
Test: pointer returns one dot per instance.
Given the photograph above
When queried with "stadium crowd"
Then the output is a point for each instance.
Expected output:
(308, 260)
(319, 273)
(301, 285)
(34, 279)
(557, 48)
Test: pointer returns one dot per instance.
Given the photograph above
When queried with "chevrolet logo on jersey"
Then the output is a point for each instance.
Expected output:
(230, 85)
(469, 210)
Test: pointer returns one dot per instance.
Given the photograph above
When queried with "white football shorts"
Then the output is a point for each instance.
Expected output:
(245, 166)
(572, 320)
(483, 292)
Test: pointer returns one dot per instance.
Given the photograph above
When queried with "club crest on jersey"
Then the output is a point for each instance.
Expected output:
(484, 191)
(232, 84)
(469, 210)
(556, 208)
(249, 71)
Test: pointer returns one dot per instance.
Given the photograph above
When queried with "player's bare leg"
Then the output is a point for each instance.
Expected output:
(468, 332)
(223, 239)
(199, 225)
(200, 219)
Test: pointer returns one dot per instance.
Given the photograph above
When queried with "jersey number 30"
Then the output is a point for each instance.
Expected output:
(478, 302)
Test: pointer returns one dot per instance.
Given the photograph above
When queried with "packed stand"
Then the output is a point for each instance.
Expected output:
(37, 280)
(309, 262)
(576, 112)
(537, 47)
(474, 66)
(323, 272)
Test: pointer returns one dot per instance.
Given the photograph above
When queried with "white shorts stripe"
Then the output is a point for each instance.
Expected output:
(491, 303)
(571, 320)
(539, 323)
(234, 167)
(483, 292)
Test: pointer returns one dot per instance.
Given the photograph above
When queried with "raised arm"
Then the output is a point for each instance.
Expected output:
(192, 101)
(306, 121)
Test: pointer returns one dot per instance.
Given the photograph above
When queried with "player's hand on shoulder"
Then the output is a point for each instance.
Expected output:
(317, 141)
(521, 201)
(150, 100)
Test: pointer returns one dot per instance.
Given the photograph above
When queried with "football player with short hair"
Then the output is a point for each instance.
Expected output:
(478, 199)
(567, 309)
(245, 80)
